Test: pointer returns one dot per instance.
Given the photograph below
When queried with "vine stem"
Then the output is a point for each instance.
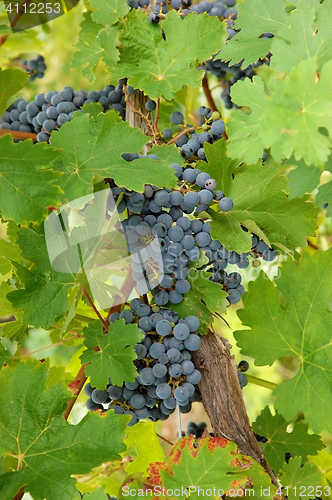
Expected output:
(95, 309)
(19, 135)
(208, 95)
(155, 123)
(181, 134)
(261, 382)
(49, 346)
(17, 16)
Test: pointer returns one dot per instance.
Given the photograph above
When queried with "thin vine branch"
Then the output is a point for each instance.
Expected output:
(18, 135)
(15, 19)
(94, 308)
(261, 382)
(155, 124)
(181, 134)
(208, 95)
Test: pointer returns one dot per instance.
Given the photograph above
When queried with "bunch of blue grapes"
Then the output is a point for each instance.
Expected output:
(191, 144)
(50, 111)
(36, 67)
(166, 375)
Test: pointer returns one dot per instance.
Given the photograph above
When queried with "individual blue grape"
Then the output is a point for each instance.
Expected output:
(175, 297)
(211, 184)
(181, 394)
(269, 255)
(114, 392)
(218, 127)
(201, 154)
(140, 350)
(226, 204)
(187, 366)
(167, 133)
(98, 396)
(159, 370)
(156, 349)
(161, 198)
(42, 137)
(184, 223)
(127, 315)
(161, 298)
(175, 198)
(137, 401)
(145, 324)
(243, 366)
(189, 175)
(163, 391)
(133, 420)
(175, 212)
(49, 125)
(159, 230)
(140, 414)
(88, 389)
(175, 370)
(175, 343)
(192, 322)
(146, 376)
(194, 378)
(92, 406)
(201, 179)
(182, 286)
(187, 151)
(196, 225)
(163, 327)
(188, 242)
(190, 387)
(150, 105)
(202, 239)
(193, 342)
(167, 282)
(218, 195)
(154, 17)
(234, 296)
(181, 331)
(170, 403)
(191, 199)
(132, 385)
(174, 355)
(205, 196)
(176, 117)
(175, 233)
(143, 310)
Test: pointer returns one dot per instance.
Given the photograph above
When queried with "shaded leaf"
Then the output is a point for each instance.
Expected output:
(50, 450)
(11, 81)
(300, 326)
(144, 439)
(297, 443)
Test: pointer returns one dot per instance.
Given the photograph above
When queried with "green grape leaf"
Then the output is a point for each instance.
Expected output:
(307, 35)
(213, 465)
(294, 317)
(26, 190)
(160, 67)
(204, 299)
(109, 11)
(298, 442)
(324, 195)
(115, 358)
(44, 296)
(47, 449)
(170, 153)
(260, 199)
(11, 82)
(4, 354)
(323, 460)
(92, 146)
(303, 179)
(144, 439)
(15, 330)
(292, 120)
(255, 17)
(296, 477)
(94, 45)
(8, 251)
(99, 494)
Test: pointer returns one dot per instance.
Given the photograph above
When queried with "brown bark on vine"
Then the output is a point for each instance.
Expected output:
(222, 397)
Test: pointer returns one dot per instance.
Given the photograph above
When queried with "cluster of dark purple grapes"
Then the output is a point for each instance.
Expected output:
(166, 375)
(50, 111)
(160, 235)
(36, 67)
(190, 143)
(218, 8)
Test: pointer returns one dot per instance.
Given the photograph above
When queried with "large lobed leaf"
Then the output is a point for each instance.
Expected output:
(115, 357)
(261, 204)
(294, 317)
(300, 34)
(213, 465)
(26, 190)
(92, 146)
(44, 292)
(302, 479)
(43, 448)
(291, 120)
(297, 442)
(160, 66)
(143, 439)
(95, 44)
